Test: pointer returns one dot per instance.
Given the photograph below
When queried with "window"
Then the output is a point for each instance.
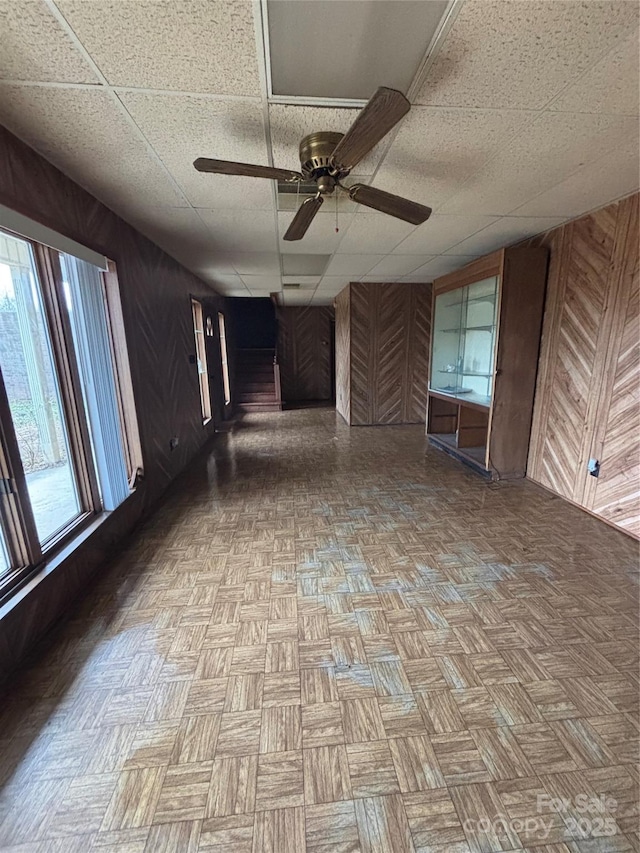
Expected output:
(65, 442)
(32, 385)
(223, 356)
(201, 360)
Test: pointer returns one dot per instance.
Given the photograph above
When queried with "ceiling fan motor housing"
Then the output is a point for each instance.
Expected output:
(315, 159)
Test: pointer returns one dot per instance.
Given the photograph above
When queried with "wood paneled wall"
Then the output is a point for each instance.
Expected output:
(342, 307)
(156, 304)
(382, 352)
(304, 352)
(587, 401)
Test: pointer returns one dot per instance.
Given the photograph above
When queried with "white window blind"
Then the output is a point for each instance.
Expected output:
(86, 303)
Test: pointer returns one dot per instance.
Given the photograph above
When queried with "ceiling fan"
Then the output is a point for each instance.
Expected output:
(327, 158)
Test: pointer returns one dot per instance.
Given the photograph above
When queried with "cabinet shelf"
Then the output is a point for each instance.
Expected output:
(490, 297)
(465, 373)
(469, 329)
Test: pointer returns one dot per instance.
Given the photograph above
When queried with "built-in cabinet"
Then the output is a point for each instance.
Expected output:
(484, 351)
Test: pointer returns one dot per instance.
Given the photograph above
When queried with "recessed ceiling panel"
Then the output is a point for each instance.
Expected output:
(298, 264)
(347, 48)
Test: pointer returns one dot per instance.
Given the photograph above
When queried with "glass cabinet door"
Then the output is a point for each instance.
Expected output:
(463, 343)
(446, 360)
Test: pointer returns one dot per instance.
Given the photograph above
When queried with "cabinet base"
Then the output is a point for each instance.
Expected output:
(473, 457)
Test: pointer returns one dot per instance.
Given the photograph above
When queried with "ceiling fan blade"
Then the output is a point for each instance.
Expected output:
(384, 110)
(394, 205)
(248, 170)
(303, 218)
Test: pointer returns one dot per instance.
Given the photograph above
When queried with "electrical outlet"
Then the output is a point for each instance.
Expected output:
(593, 467)
(173, 442)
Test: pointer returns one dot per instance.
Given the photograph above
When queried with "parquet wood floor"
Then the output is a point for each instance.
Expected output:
(325, 640)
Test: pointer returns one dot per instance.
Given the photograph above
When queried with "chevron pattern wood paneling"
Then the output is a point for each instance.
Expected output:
(362, 376)
(419, 330)
(587, 398)
(389, 330)
(617, 490)
(343, 354)
(389, 341)
(304, 352)
(586, 267)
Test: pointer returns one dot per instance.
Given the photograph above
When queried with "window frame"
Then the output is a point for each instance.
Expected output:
(25, 551)
(197, 315)
(224, 358)
(122, 369)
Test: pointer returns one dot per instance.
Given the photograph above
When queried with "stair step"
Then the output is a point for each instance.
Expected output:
(259, 407)
(256, 398)
(265, 387)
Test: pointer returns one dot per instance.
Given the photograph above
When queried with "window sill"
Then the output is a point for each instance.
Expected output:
(16, 594)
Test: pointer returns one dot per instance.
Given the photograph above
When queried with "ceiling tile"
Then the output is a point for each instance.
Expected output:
(304, 280)
(611, 86)
(321, 299)
(321, 238)
(85, 134)
(201, 262)
(240, 230)
(227, 285)
(373, 233)
(437, 149)
(289, 124)
(256, 263)
(298, 264)
(546, 152)
(181, 128)
(333, 284)
(191, 46)
(352, 265)
(263, 283)
(521, 54)
(504, 232)
(441, 265)
(441, 232)
(180, 232)
(611, 177)
(295, 297)
(35, 47)
(395, 266)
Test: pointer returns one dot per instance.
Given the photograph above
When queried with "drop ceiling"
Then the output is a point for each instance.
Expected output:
(524, 114)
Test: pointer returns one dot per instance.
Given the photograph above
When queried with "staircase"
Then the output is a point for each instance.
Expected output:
(257, 381)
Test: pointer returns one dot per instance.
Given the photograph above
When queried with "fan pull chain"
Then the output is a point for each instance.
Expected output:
(336, 198)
